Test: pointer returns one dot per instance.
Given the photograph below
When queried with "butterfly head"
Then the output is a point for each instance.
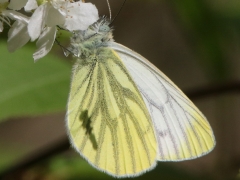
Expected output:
(97, 35)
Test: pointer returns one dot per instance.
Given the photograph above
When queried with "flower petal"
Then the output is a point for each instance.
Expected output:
(15, 15)
(45, 42)
(80, 16)
(54, 17)
(17, 36)
(31, 4)
(37, 21)
(17, 4)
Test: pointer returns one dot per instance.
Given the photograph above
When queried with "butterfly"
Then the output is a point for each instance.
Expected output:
(123, 113)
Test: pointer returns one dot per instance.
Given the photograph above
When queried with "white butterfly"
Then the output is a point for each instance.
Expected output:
(124, 114)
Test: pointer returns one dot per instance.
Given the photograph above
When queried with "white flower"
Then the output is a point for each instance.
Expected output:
(6, 15)
(68, 15)
(31, 4)
(78, 15)
(64, 13)
(3, 18)
(18, 32)
(44, 15)
(17, 4)
(42, 25)
(45, 42)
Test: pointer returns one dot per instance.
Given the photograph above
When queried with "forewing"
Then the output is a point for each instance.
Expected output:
(107, 119)
(181, 130)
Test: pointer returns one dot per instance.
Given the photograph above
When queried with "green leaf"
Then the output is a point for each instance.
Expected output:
(28, 88)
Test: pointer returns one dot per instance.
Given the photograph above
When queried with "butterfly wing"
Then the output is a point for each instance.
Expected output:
(107, 119)
(181, 130)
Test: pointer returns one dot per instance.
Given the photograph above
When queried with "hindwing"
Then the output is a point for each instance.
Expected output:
(182, 131)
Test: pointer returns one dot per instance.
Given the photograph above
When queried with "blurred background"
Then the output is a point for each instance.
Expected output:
(195, 43)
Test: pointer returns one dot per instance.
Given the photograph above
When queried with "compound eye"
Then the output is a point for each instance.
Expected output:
(104, 28)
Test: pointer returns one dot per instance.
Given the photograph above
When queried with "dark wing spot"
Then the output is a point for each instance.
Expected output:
(86, 124)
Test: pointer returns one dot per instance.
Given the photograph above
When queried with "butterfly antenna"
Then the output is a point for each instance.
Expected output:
(109, 9)
(118, 12)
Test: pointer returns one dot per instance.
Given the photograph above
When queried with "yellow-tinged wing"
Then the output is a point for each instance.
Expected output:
(107, 119)
(182, 131)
